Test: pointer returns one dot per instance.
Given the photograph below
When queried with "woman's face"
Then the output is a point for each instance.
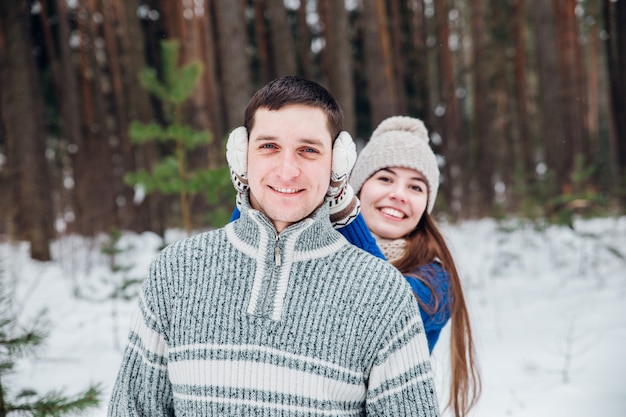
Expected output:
(393, 201)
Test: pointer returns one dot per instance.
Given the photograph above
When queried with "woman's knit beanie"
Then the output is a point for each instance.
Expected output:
(398, 141)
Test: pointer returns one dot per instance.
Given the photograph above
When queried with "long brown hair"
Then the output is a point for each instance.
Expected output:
(424, 244)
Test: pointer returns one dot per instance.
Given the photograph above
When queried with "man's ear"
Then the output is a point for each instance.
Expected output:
(237, 157)
(344, 158)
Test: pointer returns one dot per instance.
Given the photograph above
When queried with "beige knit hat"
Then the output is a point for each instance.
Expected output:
(398, 141)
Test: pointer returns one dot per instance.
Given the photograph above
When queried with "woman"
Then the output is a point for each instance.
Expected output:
(396, 178)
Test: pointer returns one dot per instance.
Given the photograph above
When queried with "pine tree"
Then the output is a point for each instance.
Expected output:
(16, 343)
(171, 175)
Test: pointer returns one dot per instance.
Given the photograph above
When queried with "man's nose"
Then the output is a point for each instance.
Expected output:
(288, 166)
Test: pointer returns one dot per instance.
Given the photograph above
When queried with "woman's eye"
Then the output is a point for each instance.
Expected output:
(416, 188)
(384, 179)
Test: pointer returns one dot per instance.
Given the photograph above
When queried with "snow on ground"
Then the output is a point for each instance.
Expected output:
(547, 307)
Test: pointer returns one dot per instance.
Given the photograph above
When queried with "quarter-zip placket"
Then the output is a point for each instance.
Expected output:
(277, 251)
(269, 292)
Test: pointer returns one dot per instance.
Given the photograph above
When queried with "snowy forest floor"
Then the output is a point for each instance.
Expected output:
(548, 309)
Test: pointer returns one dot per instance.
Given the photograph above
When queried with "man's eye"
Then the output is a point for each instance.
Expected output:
(310, 150)
(267, 146)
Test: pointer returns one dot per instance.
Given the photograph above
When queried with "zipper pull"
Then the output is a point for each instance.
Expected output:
(277, 253)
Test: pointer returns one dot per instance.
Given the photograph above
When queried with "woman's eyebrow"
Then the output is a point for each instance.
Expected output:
(419, 177)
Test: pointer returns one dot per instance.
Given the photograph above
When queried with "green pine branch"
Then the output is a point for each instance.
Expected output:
(53, 404)
(15, 343)
(172, 175)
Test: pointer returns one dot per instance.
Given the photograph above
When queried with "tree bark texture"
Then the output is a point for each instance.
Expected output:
(378, 59)
(524, 137)
(551, 129)
(337, 58)
(31, 211)
(96, 184)
(615, 24)
(147, 214)
(281, 35)
(482, 153)
(573, 108)
(303, 42)
(235, 62)
(261, 41)
(449, 118)
(505, 158)
(506, 95)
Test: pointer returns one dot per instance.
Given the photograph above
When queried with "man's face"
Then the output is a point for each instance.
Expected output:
(289, 162)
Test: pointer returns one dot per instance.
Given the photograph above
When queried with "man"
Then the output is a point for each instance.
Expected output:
(276, 314)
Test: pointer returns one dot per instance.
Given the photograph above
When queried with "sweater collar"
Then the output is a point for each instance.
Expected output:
(313, 232)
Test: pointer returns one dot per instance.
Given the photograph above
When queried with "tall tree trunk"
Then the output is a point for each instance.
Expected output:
(197, 108)
(303, 42)
(363, 117)
(196, 50)
(450, 118)
(93, 171)
(600, 126)
(50, 44)
(398, 35)
(378, 59)
(283, 47)
(262, 43)
(65, 94)
(212, 90)
(23, 118)
(114, 31)
(71, 108)
(149, 212)
(551, 130)
(505, 160)
(8, 208)
(594, 60)
(416, 61)
(234, 60)
(173, 21)
(524, 138)
(573, 103)
(482, 153)
(337, 58)
(597, 94)
(615, 23)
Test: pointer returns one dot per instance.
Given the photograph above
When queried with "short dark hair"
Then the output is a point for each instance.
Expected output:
(295, 90)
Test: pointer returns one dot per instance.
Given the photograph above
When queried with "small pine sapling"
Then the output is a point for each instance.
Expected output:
(17, 342)
(172, 174)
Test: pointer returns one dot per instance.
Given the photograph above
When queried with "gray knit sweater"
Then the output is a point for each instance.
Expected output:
(241, 321)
